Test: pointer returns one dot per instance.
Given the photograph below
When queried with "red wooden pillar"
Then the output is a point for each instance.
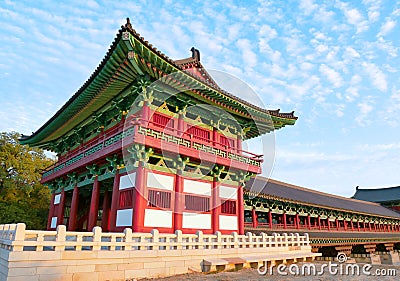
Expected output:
(61, 207)
(284, 220)
(146, 112)
(374, 226)
(254, 217)
(297, 221)
(178, 203)
(94, 204)
(181, 125)
(215, 137)
(309, 221)
(240, 209)
(51, 211)
(140, 200)
(105, 219)
(329, 224)
(73, 215)
(319, 223)
(337, 224)
(352, 226)
(345, 225)
(270, 219)
(239, 144)
(114, 201)
(358, 225)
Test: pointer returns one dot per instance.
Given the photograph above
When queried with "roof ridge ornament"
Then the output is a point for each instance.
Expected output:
(128, 24)
(195, 53)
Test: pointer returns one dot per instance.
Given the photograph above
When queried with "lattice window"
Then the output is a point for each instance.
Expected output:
(197, 203)
(199, 133)
(228, 207)
(226, 142)
(161, 120)
(160, 199)
(126, 198)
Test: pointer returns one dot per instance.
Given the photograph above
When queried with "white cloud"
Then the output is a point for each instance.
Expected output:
(365, 108)
(352, 53)
(354, 17)
(387, 27)
(248, 56)
(332, 75)
(373, 9)
(308, 6)
(267, 32)
(376, 76)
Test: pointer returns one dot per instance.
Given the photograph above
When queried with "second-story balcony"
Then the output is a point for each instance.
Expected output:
(156, 135)
(185, 142)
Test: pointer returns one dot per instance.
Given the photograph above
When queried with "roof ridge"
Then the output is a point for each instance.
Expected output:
(320, 192)
(376, 189)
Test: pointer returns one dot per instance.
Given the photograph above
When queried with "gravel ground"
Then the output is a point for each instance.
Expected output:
(252, 274)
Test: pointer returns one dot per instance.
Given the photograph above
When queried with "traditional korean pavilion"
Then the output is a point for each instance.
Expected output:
(132, 154)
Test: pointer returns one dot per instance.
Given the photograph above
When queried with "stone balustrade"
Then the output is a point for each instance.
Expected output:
(69, 255)
(15, 237)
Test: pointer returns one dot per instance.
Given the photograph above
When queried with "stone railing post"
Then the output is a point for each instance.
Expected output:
(306, 239)
(155, 239)
(291, 239)
(235, 240)
(275, 239)
(178, 239)
(200, 240)
(19, 235)
(219, 239)
(285, 241)
(128, 239)
(60, 237)
(297, 239)
(97, 238)
(250, 240)
(264, 238)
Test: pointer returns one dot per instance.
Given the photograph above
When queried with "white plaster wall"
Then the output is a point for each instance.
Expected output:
(124, 217)
(196, 221)
(127, 181)
(197, 187)
(157, 218)
(228, 222)
(228, 192)
(53, 223)
(57, 199)
(160, 181)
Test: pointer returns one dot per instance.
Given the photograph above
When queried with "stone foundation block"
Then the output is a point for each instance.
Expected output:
(85, 276)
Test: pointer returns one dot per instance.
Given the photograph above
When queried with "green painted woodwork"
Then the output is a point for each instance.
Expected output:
(264, 203)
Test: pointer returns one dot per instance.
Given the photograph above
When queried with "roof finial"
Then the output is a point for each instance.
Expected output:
(128, 24)
(357, 187)
(195, 53)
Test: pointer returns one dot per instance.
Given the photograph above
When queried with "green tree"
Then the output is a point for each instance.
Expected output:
(22, 197)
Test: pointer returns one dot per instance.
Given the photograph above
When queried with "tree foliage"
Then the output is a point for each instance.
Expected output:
(22, 197)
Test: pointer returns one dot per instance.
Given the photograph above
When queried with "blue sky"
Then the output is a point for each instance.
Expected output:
(336, 63)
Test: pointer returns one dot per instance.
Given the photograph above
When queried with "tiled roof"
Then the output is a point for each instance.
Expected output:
(378, 195)
(274, 188)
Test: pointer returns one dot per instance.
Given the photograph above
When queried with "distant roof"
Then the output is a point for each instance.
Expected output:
(274, 188)
(379, 195)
